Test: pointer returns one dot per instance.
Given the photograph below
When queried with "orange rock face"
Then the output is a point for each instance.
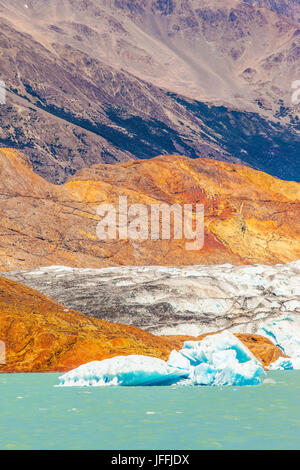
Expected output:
(42, 336)
(250, 217)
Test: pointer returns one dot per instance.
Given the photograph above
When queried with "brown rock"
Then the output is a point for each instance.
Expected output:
(250, 217)
(42, 336)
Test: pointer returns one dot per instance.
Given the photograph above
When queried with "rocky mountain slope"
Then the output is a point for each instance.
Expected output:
(250, 217)
(43, 336)
(110, 81)
(290, 8)
(183, 300)
(196, 49)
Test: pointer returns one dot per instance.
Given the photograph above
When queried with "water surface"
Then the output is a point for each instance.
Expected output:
(34, 414)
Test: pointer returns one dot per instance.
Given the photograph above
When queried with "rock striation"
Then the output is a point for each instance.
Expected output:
(250, 217)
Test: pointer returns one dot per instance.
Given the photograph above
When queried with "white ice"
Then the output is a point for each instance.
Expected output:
(124, 370)
(219, 359)
(285, 333)
(285, 363)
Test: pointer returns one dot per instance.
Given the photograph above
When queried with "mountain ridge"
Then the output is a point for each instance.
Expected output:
(89, 84)
(250, 217)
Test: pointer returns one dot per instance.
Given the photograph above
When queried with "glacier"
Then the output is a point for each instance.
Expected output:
(218, 360)
(285, 363)
(188, 300)
(284, 333)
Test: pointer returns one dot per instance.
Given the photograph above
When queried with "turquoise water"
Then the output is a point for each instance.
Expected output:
(36, 415)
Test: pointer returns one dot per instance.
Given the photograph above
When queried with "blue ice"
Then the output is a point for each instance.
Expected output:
(220, 359)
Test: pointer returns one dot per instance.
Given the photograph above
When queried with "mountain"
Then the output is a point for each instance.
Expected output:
(250, 217)
(196, 49)
(43, 336)
(102, 82)
(290, 8)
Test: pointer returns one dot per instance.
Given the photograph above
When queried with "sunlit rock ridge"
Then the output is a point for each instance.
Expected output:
(250, 217)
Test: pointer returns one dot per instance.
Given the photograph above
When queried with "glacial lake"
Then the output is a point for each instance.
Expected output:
(34, 414)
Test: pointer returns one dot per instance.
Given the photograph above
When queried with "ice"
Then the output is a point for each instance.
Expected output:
(286, 363)
(204, 299)
(202, 351)
(124, 370)
(178, 360)
(285, 333)
(219, 359)
(282, 363)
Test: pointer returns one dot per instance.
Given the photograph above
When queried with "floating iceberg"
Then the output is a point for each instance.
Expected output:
(124, 370)
(219, 359)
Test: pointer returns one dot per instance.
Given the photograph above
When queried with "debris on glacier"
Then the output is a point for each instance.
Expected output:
(219, 359)
(189, 300)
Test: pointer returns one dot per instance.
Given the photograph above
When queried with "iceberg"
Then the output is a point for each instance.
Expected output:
(203, 351)
(217, 360)
(131, 370)
(222, 359)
